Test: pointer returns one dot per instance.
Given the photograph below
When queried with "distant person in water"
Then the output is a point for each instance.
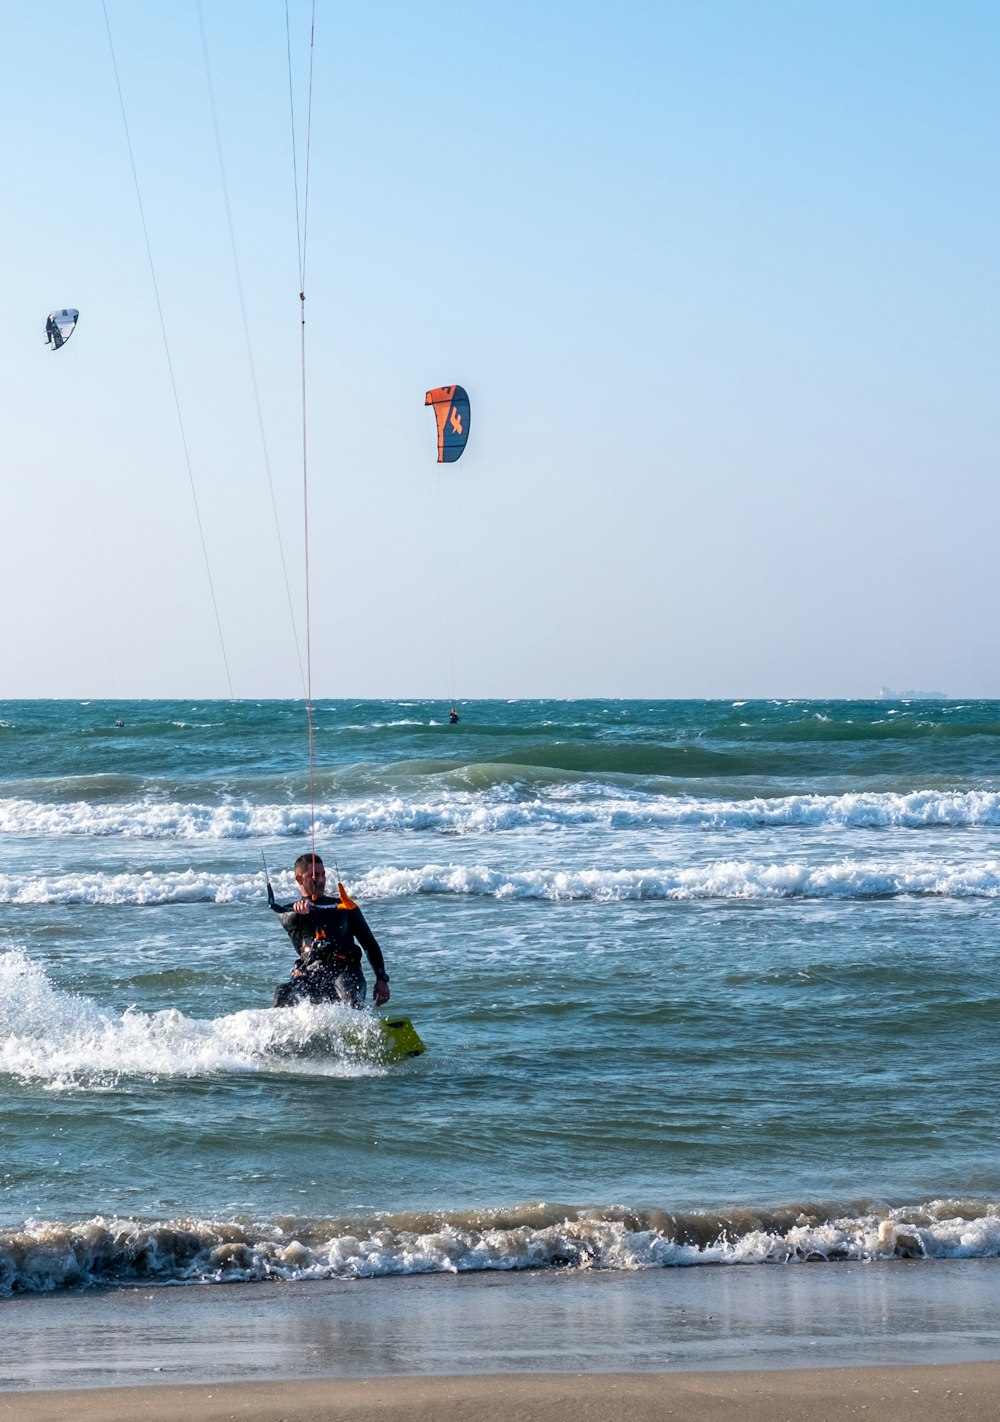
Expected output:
(326, 934)
(453, 716)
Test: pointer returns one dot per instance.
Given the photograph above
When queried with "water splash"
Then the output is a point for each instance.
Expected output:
(67, 1041)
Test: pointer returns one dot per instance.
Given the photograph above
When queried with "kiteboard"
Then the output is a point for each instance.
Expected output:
(394, 1039)
(400, 1038)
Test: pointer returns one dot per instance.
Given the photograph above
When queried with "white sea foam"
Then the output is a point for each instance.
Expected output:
(65, 1040)
(499, 809)
(714, 879)
(722, 879)
(44, 1255)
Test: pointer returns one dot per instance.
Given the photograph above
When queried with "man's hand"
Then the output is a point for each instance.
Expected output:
(381, 992)
(303, 905)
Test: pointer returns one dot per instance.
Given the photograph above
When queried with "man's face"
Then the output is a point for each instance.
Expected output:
(313, 877)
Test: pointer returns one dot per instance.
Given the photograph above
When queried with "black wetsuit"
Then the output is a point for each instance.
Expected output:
(328, 968)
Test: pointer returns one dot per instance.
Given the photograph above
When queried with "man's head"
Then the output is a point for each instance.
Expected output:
(310, 873)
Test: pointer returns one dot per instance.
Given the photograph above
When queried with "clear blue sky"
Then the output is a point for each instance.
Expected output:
(720, 277)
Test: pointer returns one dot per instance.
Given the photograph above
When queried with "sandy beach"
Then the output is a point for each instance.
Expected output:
(967, 1392)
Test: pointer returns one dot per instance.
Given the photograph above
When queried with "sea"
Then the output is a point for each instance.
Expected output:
(701, 983)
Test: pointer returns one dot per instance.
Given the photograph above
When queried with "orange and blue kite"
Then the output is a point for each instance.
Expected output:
(452, 411)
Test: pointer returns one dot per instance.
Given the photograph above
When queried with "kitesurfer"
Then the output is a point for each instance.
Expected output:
(326, 933)
(453, 716)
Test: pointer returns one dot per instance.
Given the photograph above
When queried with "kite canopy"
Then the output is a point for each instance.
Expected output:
(60, 326)
(452, 411)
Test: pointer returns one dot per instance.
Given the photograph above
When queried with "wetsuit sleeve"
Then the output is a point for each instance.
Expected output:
(294, 926)
(364, 936)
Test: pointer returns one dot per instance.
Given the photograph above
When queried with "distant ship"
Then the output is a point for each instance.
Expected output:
(886, 693)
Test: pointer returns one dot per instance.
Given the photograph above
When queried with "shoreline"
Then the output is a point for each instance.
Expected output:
(708, 1321)
(965, 1392)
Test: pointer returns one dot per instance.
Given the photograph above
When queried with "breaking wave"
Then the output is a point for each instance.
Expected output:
(42, 1256)
(714, 879)
(504, 808)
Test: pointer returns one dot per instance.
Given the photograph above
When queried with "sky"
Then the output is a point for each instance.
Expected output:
(720, 277)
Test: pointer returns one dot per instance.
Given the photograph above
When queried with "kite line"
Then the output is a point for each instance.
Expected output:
(302, 237)
(246, 332)
(166, 350)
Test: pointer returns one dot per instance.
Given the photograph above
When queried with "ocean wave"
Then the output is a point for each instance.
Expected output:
(719, 879)
(42, 1256)
(714, 879)
(497, 810)
(920, 721)
(66, 1041)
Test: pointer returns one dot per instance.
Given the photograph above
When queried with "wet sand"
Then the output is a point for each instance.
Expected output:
(910, 1339)
(965, 1393)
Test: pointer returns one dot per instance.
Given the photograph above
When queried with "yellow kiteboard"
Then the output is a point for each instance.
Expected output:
(382, 1039)
(400, 1039)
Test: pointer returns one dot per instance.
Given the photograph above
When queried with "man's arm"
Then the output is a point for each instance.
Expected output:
(291, 915)
(289, 918)
(368, 941)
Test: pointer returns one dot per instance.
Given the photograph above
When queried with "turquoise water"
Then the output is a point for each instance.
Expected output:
(699, 982)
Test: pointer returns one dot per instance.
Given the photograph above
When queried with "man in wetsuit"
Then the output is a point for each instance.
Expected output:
(326, 934)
